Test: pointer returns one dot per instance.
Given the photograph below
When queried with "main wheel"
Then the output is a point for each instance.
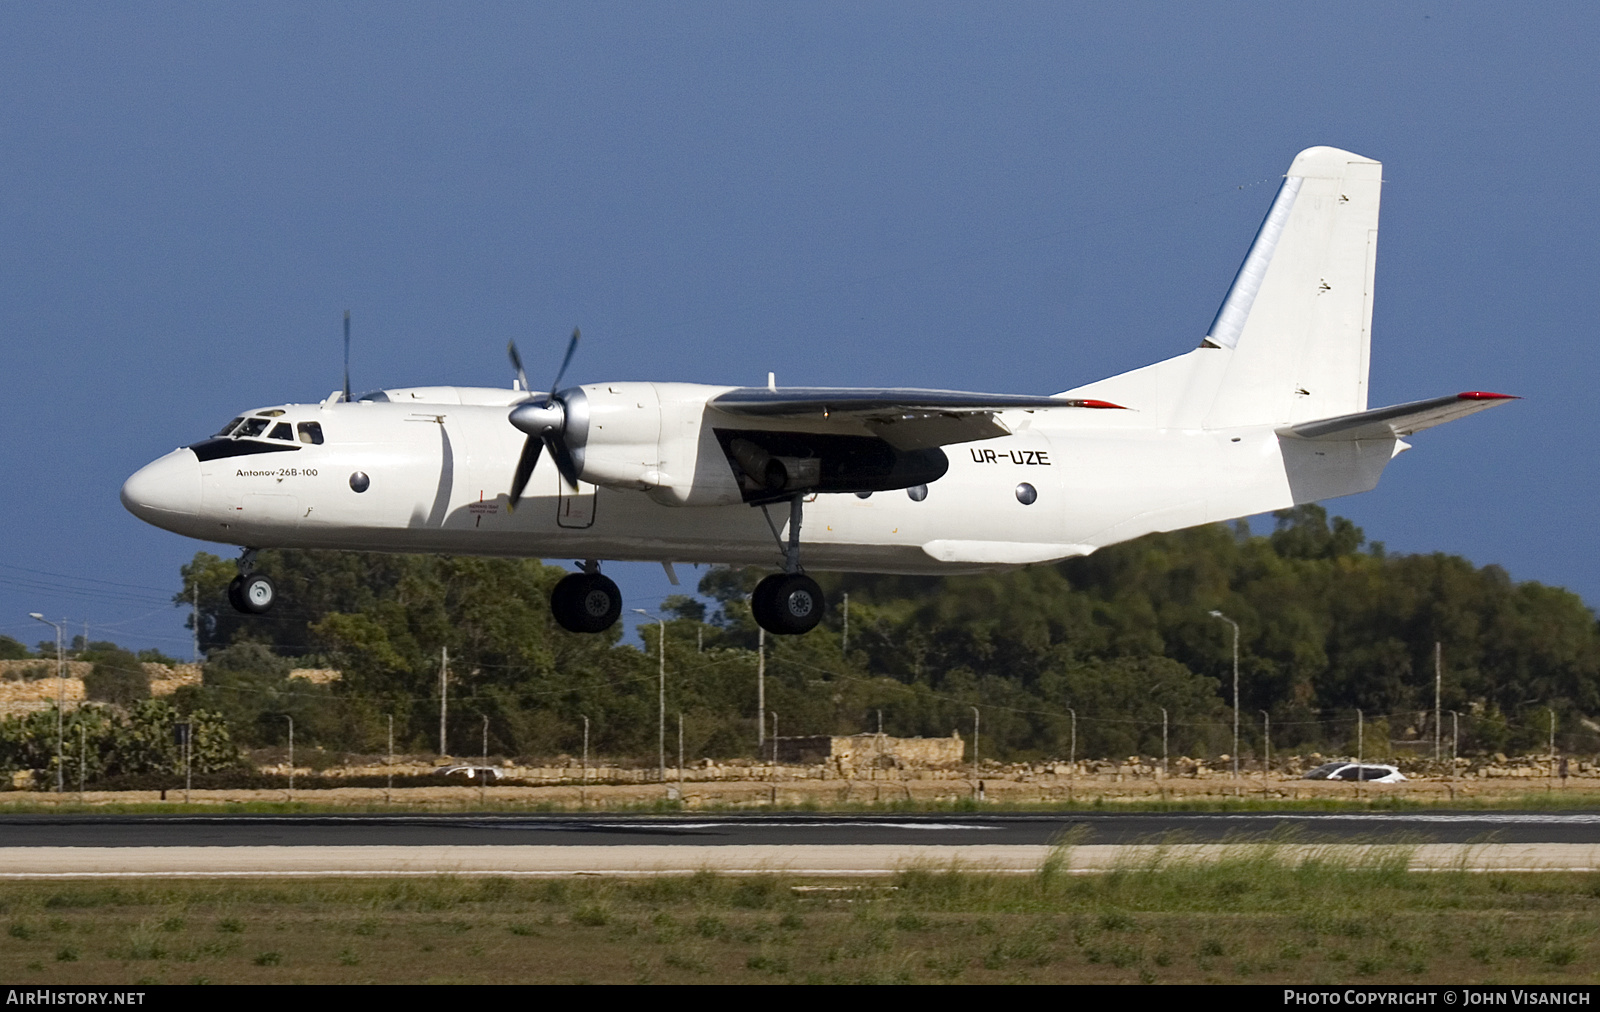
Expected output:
(234, 597)
(256, 593)
(761, 602)
(586, 602)
(788, 604)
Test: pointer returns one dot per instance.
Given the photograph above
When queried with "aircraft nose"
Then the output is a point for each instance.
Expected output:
(165, 491)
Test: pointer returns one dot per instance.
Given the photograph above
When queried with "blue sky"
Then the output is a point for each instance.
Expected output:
(1015, 197)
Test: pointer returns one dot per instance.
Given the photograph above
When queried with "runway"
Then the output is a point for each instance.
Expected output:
(210, 830)
(563, 845)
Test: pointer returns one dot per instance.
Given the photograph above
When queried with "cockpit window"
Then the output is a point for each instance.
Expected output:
(282, 431)
(229, 427)
(273, 413)
(310, 432)
(251, 427)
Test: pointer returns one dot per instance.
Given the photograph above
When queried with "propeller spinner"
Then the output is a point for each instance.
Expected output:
(544, 418)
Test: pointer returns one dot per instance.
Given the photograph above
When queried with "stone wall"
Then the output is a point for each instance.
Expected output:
(847, 753)
(317, 676)
(30, 685)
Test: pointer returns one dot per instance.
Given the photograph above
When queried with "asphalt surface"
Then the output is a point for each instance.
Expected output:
(791, 830)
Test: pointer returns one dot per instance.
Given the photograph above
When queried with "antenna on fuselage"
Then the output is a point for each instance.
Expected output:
(347, 355)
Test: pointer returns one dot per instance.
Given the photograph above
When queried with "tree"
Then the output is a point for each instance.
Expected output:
(117, 677)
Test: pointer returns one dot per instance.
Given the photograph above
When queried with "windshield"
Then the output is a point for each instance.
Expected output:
(1324, 771)
(251, 427)
(229, 427)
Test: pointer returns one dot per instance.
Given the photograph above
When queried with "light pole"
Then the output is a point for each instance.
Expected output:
(1266, 765)
(661, 694)
(761, 690)
(1163, 743)
(61, 696)
(444, 697)
(583, 791)
(774, 739)
(390, 785)
(975, 746)
(844, 648)
(1438, 684)
(1218, 614)
(291, 755)
(1072, 749)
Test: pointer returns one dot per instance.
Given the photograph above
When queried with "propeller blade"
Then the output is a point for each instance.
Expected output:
(572, 346)
(516, 363)
(347, 355)
(563, 458)
(531, 449)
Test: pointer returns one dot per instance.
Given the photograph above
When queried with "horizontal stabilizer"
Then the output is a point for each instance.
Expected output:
(1397, 420)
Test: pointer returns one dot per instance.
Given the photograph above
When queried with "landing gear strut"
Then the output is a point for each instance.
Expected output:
(586, 602)
(251, 592)
(788, 603)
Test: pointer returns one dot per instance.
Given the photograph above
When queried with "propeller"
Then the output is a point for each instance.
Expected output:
(544, 418)
(347, 355)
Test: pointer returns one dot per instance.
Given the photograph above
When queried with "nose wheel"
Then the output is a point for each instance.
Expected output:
(586, 603)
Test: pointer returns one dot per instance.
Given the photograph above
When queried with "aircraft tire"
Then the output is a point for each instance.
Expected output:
(586, 603)
(788, 604)
(761, 602)
(234, 597)
(257, 593)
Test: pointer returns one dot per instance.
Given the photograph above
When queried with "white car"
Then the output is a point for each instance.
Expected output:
(1372, 773)
(488, 772)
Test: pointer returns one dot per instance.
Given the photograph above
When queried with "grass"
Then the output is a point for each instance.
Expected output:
(1251, 917)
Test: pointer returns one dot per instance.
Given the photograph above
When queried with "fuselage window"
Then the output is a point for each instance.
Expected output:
(252, 427)
(229, 427)
(282, 431)
(310, 432)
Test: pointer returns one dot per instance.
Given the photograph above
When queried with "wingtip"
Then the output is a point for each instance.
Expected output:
(1097, 404)
(1485, 395)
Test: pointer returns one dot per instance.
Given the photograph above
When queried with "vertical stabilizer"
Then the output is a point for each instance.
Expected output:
(1295, 327)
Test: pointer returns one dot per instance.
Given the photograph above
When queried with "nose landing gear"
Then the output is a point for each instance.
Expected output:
(586, 602)
(250, 592)
(788, 603)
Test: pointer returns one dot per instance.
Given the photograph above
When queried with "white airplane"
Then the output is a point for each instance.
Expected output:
(1269, 411)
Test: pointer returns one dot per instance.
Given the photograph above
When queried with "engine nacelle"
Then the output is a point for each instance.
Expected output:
(651, 437)
(660, 438)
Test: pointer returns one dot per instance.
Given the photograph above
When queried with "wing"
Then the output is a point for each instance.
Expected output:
(907, 419)
(1398, 420)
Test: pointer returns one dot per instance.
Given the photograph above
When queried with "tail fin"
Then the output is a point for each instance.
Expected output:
(1290, 341)
(1297, 323)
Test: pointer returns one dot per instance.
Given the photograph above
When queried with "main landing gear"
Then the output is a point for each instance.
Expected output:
(788, 603)
(586, 602)
(251, 592)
